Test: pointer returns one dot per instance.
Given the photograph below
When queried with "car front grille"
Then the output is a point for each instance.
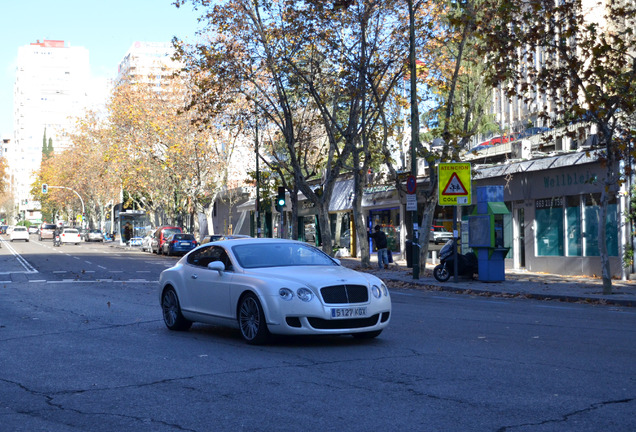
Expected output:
(323, 324)
(338, 294)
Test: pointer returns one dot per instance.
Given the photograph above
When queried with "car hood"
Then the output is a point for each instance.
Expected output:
(316, 276)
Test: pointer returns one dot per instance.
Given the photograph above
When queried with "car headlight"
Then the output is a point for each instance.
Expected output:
(305, 294)
(379, 291)
(286, 294)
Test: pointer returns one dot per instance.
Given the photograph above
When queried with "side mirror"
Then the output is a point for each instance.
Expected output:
(217, 265)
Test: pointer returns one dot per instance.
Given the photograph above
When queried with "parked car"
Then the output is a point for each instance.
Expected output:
(179, 244)
(94, 235)
(264, 286)
(70, 235)
(33, 229)
(160, 236)
(146, 243)
(19, 233)
(533, 131)
(218, 237)
(439, 234)
(46, 231)
(136, 241)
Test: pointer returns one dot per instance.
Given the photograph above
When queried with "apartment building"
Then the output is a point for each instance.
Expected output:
(50, 89)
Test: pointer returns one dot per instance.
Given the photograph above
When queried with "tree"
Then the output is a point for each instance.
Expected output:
(160, 153)
(450, 72)
(581, 59)
(293, 59)
(47, 146)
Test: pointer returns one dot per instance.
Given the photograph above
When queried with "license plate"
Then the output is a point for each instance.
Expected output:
(348, 312)
(185, 243)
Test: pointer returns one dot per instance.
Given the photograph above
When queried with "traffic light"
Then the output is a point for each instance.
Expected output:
(280, 199)
(45, 188)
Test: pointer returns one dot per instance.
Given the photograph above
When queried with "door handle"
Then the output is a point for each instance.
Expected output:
(195, 276)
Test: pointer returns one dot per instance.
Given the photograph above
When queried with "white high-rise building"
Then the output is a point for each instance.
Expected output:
(147, 62)
(51, 85)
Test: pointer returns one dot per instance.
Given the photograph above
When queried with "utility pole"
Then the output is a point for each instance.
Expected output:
(415, 135)
(258, 173)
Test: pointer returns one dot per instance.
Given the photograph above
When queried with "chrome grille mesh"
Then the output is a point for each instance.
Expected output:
(338, 294)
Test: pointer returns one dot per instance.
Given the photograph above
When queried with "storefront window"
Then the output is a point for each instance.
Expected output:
(573, 225)
(549, 226)
(592, 209)
(389, 220)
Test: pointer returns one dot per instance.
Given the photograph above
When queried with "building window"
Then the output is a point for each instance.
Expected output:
(549, 226)
(591, 212)
(573, 228)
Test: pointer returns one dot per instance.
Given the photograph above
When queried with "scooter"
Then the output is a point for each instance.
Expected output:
(57, 241)
(466, 264)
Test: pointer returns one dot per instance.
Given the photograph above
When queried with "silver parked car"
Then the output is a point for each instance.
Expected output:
(94, 235)
(265, 286)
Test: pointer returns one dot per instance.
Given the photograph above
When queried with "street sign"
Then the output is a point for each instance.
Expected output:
(411, 184)
(454, 183)
(411, 202)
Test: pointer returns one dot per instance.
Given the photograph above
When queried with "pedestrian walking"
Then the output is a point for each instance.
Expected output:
(380, 241)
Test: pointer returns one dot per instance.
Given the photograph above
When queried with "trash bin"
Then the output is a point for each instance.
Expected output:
(409, 253)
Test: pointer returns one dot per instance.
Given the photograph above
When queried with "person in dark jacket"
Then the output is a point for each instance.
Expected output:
(381, 245)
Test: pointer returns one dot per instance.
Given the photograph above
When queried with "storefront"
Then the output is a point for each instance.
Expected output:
(554, 204)
(384, 209)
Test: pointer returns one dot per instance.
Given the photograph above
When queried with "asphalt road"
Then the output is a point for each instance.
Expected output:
(86, 350)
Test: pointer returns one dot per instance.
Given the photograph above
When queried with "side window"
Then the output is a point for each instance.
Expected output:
(204, 256)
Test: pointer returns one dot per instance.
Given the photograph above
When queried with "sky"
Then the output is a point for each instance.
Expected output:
(106, 28)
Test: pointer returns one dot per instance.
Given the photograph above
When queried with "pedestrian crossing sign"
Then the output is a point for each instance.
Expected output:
(454, 183)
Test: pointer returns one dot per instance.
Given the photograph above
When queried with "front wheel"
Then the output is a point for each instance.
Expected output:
(172, 316)
(251, 320)
(441, 273)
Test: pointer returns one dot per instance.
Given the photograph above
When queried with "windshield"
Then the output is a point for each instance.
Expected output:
(280, 255)
(169, 231)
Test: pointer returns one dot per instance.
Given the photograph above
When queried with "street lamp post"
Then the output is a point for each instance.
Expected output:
(78, 195)
(258, 173)
(415, 135)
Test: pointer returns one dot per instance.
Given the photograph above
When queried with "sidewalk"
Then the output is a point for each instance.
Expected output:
(518, 284)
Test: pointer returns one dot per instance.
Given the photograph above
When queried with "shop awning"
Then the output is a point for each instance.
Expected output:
(249, 205)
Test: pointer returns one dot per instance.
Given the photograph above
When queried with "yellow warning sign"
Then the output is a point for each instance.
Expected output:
(454, 183)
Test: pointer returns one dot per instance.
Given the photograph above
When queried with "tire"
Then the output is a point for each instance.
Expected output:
(172, 316)
(441, 273)
(251, 320)
(367, 335)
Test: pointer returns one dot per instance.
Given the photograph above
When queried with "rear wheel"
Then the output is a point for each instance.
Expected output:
(251, 320)
(172, 316)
